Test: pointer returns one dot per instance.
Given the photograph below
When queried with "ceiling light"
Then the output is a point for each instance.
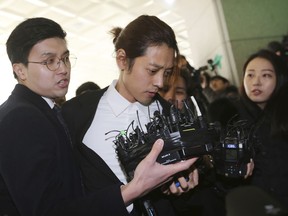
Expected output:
(38, 3)
(10, 15)
(169, 2)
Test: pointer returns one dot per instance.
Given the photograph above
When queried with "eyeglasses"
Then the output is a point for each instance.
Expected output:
(53, 63)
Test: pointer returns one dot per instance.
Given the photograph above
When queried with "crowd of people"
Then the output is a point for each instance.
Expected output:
(259, 99)
(64, 162)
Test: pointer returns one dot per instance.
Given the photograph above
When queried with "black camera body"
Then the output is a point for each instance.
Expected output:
(190, 140)
(185, 134)
(234, 150)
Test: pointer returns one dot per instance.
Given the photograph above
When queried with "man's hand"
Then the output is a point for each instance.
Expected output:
(184, 183)
(150, 174)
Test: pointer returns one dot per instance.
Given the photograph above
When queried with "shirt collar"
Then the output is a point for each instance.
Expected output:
(118, 103)
(49, 101)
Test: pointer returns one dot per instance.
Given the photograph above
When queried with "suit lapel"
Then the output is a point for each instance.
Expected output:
(87, 108)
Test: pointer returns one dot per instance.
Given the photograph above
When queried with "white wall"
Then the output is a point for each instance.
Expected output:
(197, 25)
(208, 38)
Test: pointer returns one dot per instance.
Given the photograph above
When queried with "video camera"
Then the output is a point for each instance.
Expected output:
(235, 149)
(186, 134)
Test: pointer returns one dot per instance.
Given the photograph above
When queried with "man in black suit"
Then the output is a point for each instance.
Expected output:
(38, 172)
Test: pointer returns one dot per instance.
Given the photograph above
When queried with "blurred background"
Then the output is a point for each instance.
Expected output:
(224, 31)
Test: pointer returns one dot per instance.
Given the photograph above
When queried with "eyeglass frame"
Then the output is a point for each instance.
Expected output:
(45, 62)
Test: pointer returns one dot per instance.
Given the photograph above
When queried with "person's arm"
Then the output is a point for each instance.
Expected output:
(149, 174)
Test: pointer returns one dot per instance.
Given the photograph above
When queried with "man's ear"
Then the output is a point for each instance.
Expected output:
(121, 59)
(20, 70)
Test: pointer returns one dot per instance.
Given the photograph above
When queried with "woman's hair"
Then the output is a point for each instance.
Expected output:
(279, 117)
(143, 32)
(278, 65)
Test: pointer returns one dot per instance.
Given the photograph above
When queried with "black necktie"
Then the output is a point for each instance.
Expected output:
(60, 118)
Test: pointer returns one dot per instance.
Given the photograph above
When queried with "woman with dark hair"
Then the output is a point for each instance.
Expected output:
(184, 83)
(264, 92)
(264, 74)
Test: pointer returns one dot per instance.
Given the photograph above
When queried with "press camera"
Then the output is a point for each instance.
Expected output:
(186, 134)
(235, 149)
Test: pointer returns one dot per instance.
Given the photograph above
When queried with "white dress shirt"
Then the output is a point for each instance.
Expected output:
(115, 113)
(50, 102)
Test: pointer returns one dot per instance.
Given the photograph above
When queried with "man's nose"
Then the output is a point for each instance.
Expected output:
(158, 80)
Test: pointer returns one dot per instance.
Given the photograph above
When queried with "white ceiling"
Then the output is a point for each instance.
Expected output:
(87, 23)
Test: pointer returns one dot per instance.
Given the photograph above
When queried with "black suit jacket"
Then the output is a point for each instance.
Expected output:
(38, 171)
(78, 114)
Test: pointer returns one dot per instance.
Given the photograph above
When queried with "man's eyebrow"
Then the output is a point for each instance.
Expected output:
(159, 66)
(156, 65)
(51, 53)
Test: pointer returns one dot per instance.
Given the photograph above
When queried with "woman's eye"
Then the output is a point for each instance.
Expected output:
(249, 75)
(180, 92)
(267, 75)
(167, 73)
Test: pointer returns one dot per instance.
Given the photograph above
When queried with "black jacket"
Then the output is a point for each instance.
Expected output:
(38, 171)
(78, 114)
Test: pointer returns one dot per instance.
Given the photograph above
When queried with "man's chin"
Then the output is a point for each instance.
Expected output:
(61, 94)
(145, 102)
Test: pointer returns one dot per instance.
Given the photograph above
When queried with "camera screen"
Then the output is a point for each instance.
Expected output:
(231, 146)
(231, 154)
